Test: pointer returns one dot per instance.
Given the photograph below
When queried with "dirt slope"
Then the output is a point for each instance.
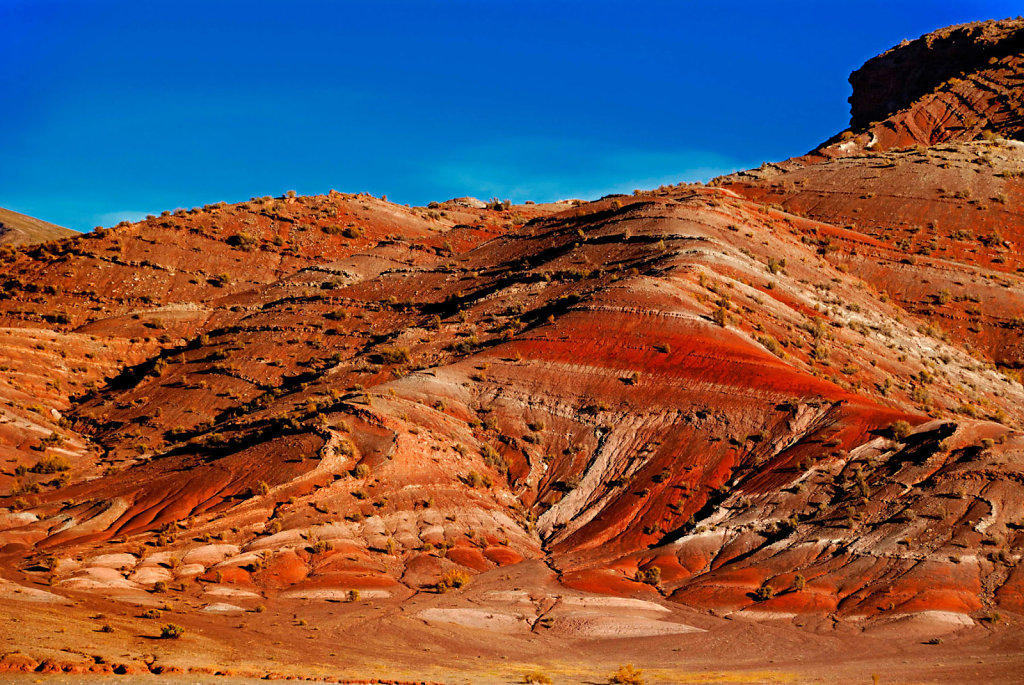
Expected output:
(19, 229)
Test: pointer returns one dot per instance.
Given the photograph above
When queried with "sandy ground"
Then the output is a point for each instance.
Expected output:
(494, 631)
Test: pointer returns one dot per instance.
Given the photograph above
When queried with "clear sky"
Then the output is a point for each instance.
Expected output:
(113, 110)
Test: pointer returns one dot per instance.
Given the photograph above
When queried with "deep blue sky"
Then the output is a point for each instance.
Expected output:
(112, 110)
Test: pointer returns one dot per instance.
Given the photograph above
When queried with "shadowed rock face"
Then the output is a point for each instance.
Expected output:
(762, 396)
(953, 85)
(986, 55)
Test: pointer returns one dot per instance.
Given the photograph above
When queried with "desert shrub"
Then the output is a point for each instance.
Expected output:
(721, 316)
(353, 595)
(51, 464)
(171, 631)
(651, 575)
(536, 678)
(771, 344)
(160, 586)
(394, 355)
(764, 592)
(361, 471)
(452, 580)
(151, 613)
(493, 459)
(627, 675)
(59, 317)
(242, 240)
(567, 484)
(345, 447)
(24, 489)
(899, 430)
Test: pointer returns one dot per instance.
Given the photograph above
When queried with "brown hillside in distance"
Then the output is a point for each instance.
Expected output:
(19, 229)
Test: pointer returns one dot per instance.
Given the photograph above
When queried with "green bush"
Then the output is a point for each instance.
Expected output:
(171, 631)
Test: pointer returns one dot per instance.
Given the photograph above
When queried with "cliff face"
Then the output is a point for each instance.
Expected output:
(956, 84)
(898, 77)
(794, 393)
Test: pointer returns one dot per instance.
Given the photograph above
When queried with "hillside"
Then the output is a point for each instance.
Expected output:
(19, 229)
(784, 408)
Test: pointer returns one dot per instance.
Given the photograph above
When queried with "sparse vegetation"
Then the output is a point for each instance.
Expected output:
(51, 464)
(452, 579)
(651, 575)
(900, 430)
(627, 675)
(171, 631)
(764, 592)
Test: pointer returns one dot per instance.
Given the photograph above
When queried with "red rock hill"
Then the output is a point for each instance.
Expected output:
(796, 392)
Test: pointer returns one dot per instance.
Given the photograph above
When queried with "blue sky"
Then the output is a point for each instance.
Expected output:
(114, 110)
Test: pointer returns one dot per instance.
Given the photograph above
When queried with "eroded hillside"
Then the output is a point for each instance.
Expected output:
(791, 394)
